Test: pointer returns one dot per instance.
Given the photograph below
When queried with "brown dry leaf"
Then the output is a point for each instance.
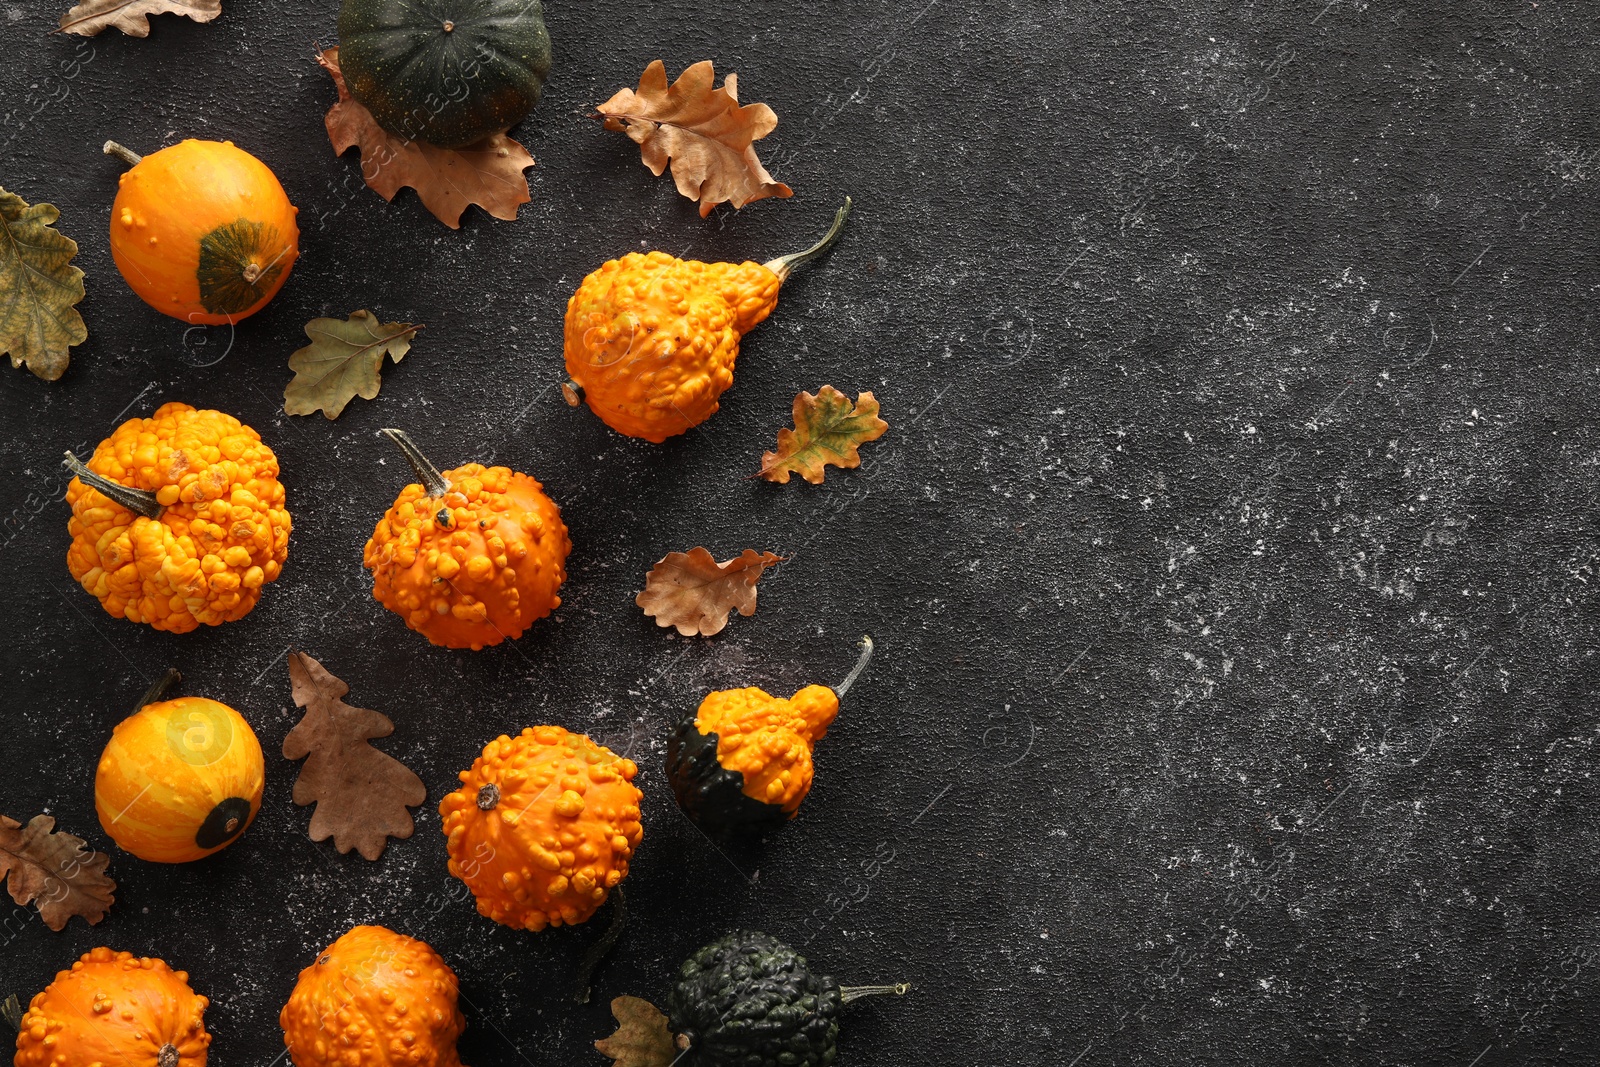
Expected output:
(643, 1037)
(448, 180)
(828, 430)
(361, 794)
(695, 593)
(132, 17)
(702, 131)
(55, 871)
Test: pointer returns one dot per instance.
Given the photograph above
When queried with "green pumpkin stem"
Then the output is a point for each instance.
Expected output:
(856, 992)
(127, 155)
(11, 1012)
(159, 688)
(784, 264)
(139, 501)
(427, 473)
(601, 948)
(855, 672)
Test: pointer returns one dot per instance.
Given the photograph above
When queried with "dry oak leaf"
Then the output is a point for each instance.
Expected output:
(702, 131)
(55, 871)
(695, 593)
(827, 430)
(643, 1038)
(361, 794)
(343, 360)
(38, 288)
(449, 180)
(132, 17)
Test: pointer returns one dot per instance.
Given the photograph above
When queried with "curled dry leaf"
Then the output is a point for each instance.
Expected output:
(55, 871)
(132, 17)
(343, 360)
(448, 180)
(361, 794)
(643, 1037)
(828, 429)
(701, 130)
(38, 288)
(695, 593)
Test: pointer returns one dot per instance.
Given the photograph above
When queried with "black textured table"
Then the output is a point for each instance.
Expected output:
(1231, 556)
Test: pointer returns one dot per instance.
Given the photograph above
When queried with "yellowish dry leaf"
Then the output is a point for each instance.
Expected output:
(695, 593)
(643, 1037)
(132, 17)
(828, 431)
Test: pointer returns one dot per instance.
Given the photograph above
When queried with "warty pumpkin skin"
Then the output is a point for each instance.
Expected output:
(202, 231)
(650, 340)
(115, 1009)
(470, 557)
(202, 530)
(179, 780)
(374, 998)
(543, 827)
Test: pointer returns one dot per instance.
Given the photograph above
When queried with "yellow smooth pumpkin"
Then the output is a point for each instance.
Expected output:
(202, 231)
(180, 779)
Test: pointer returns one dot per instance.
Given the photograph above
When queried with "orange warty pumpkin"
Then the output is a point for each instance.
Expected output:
(469, 557)
(180, 779)
(543, 827)
(114, 1008)
(202, 231)
(374, 998)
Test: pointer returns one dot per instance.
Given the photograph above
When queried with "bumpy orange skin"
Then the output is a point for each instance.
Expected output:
(475, 567)
(558, 837)
(113, 1009)
(224, 533)
(769, 739)
(374, 998)
(652, 339)
(191, 220)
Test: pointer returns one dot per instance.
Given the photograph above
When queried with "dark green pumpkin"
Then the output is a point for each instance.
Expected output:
(448, 72)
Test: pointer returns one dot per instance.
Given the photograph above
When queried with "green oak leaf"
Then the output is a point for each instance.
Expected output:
(828, 429)
(38, 288)
(342, 361)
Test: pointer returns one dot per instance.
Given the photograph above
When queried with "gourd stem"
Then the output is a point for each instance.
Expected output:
(140, 501)
(427, 473)
(159, 689)
(784, 264)
(11, 1012)
(572, 393)
(855, 672)
(127, 155)
(168, 1056)
(856, 992)
(597, 954)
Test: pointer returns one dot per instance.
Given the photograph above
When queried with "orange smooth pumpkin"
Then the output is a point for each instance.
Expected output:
(202, 231)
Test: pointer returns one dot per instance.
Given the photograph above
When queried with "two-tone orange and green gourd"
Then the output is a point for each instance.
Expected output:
(651, 339)
(743, 760)
(470, 557)
(178, 520)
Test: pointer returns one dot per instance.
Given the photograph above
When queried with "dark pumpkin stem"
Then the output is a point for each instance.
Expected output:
(159, 689)
(168, 1056)
(139, 501)
(856, 992)
(855, 672)
(11, 1012)
(127, 155)
(572, 393)
(602, 948)
(427, 473)
(488, 797)
(784, 264)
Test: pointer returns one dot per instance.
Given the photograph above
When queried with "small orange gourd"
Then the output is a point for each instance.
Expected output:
(374, 998)
(179, 779)
(470, 557)
(543, 827)
(178, 520)
(114, 1008)
(202, 231)
(651, 339)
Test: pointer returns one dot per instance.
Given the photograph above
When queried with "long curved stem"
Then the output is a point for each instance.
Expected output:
(159, 689)
(601, 948)
(127, 155)
(784, 264)
(856, 992)
(855, 672)
(427, 473)
(139, 501)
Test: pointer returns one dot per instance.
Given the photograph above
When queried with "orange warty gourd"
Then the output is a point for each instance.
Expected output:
(178, 519)
(651, 339)
(543, 827)
(202, 231)
(180, 779)
(374, 998)
(115, 1009)
(469, 557)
